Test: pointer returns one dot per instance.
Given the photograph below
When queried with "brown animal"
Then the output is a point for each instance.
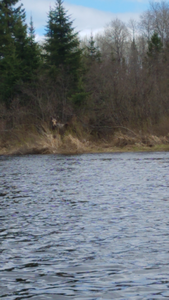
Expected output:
(60, 127)
(54, 123)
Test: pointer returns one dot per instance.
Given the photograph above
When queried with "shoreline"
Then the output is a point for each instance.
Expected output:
(92, 149)
(48, 143)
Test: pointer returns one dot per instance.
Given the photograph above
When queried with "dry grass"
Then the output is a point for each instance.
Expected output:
(73, 145)
(44, 141)
(162, 128)
(148, 140)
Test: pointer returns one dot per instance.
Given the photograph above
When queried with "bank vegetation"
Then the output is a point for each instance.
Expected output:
(112, 89)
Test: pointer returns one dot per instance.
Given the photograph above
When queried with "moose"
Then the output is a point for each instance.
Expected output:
(59, 127)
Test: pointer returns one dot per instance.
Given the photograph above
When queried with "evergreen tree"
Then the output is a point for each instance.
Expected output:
(93, 53)
(31, 32)
(62, 44)
(134, 57)
(154, 56)
(9, 62)
(62, 52)
(14, 49)
(155, 46)
(32, 52)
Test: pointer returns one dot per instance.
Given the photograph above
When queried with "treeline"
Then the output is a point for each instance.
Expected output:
(119, 78)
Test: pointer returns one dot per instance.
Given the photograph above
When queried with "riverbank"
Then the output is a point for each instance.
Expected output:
(48, 143)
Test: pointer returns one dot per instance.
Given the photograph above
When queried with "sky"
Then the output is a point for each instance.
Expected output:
(88, 15)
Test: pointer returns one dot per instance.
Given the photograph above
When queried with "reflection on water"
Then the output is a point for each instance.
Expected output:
(84, 227)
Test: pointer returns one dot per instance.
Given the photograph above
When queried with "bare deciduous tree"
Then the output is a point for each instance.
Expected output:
(156, 19)
(146, 25)
(133, 26)
(117, 35)
(160, 19)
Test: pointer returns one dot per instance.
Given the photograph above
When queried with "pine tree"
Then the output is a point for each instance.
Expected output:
(134, 57)
(63, 54)
(14, 49)
(32, 52)
(154, 56)
(62, 44)
(31, 32)
(8, 53)
(155, 46)
(93, 53)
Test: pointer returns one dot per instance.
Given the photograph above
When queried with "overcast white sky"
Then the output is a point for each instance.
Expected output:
(88, 15)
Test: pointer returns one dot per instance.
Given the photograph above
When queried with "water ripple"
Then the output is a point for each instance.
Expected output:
(89, 227)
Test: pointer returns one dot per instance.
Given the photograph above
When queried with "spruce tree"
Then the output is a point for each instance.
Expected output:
(154, 56)
(63, 54)
(62, 44)
(155, 46)
(32, 52)
(92, 53)
(134, 57)
(14, 49)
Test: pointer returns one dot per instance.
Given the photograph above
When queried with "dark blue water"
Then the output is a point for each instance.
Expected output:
(90, 227)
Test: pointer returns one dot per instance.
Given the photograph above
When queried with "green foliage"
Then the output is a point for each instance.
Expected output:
(79, 98)
(62, 44)
(62, 52)
(8, 75)
(18, 53)
(155, 46)
(32, 52)
(92, 51)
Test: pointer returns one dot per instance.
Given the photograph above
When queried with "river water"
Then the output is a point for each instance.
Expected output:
(92, 226)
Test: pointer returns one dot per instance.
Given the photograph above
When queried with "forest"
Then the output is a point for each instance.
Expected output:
(116, 82)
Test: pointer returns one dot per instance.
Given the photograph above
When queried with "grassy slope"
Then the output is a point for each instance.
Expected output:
(46, 142)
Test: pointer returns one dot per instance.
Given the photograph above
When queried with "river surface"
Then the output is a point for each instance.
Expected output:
(92, 226)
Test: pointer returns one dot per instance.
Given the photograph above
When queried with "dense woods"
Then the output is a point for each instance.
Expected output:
(116, 79)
